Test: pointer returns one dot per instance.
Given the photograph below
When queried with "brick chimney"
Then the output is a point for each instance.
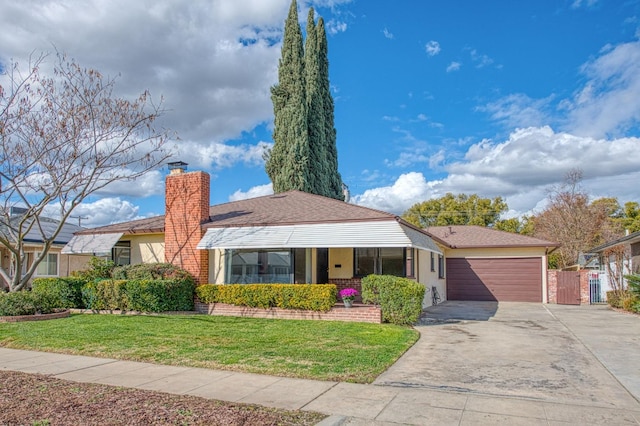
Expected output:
(186, 208)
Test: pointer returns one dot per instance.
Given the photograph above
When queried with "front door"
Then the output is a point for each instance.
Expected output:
(322, 270)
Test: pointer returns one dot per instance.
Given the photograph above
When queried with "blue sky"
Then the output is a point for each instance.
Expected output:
(499, 98)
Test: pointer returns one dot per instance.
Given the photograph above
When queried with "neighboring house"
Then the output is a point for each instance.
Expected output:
(291, 237)
(619, 257)
(55, 264)
(487, 264)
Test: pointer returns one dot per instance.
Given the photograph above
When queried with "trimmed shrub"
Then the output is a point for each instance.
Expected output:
(159, 295)
(98, 269)
(151, 271)
(104, 295)
(616, 297)
(25, 303)
(400, 299)
(313, 297)
(66, 292)
(139, 295)
(629, 303)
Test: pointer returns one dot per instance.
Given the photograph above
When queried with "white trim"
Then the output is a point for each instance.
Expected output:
(96, 244)
(321, 235)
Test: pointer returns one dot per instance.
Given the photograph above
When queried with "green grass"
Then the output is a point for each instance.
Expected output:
(324, 350)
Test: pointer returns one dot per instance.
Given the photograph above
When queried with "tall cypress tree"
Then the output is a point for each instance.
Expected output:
(334, 180)
(288, 162)
(315, 110)
(304, 155)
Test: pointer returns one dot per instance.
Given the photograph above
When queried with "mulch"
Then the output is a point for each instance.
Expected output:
(35, 399)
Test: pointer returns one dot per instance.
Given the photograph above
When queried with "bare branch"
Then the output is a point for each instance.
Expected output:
(63, 138)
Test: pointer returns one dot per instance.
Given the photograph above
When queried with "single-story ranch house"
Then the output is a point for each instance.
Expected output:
(296, 237)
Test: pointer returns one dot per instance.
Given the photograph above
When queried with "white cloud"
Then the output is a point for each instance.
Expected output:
(213, 61)
(147, 185)
(388, 34)
(521, 169)
(334, 26)
(577, 4)
(406, 191)
(407, 158)
(480, 60)
(256, 191)
(607, 104)
(432, 48)
(453, 66)
(106, 211)
(220, 155)
(519, 110)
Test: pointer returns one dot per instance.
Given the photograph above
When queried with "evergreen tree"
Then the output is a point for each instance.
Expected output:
(331, 150)
(315, 112)
(288, 162)
(304, 155)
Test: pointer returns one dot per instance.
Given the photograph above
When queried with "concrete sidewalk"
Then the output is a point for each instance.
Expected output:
(346, 403)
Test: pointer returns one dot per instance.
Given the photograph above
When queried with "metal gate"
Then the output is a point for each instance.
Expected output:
(568, 288)
(595, 288)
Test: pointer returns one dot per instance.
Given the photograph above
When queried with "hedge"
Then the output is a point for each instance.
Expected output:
(139, 295)
(150, 271)
(312, 297)
(66, 292)
(400, 299)
(26, 303)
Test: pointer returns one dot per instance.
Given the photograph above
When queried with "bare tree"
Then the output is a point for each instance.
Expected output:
(63, 138)
(571, 220)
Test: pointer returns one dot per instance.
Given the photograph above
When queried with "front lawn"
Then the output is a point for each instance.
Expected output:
(324, 350)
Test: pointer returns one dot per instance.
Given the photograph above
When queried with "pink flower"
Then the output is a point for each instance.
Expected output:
(348, 293)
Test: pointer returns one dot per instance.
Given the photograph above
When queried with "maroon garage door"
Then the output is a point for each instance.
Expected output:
(504, 279)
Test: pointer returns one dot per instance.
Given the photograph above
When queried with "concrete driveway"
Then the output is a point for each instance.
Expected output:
(569, 354)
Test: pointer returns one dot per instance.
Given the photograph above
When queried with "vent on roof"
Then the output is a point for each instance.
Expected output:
(177, 167)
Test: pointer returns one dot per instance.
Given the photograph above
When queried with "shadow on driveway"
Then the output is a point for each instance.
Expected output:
(452, 311)
(513, 349)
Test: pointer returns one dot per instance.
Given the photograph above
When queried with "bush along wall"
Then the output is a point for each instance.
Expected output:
(26, 303)
(312, 297)
(400, 299)
(139, 295)
(64, 292)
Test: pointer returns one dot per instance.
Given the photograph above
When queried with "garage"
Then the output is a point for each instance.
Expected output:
(491, 279)
(486, 264)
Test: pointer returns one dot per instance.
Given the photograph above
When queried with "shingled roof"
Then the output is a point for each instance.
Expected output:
(470, 236)
(287, 208)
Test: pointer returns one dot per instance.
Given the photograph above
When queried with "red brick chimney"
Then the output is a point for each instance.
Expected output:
(186, 208)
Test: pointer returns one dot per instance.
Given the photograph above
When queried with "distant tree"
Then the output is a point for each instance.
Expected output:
(63, 138)
(630, 220)
(571, 220)
(304, 154)
(459, 209)
(513, 225)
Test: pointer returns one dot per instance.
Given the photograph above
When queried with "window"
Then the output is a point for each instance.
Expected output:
(121, 253)
(49, 266)
(410, 253)
(440, 266)
(259, 266)
(433, 262)
(386, 260)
